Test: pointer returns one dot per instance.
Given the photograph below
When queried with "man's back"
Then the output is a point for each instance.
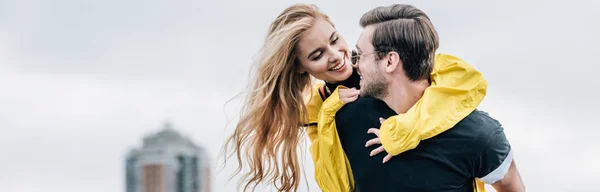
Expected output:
(475, 147)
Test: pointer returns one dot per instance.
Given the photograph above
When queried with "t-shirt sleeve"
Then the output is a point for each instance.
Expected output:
(495, 158)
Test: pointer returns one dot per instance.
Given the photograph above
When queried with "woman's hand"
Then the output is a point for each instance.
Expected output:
(377, 141)
(348, 95)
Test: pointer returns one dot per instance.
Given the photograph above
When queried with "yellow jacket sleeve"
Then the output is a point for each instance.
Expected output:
(455, 91)
(332, 169)
(333, 172)
(313, 105)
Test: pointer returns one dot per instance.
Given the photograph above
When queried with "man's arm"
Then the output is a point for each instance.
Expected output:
(511, 182)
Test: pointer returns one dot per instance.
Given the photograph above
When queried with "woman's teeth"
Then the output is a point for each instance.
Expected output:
(338, 67)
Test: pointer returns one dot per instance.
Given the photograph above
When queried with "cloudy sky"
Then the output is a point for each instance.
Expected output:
(83, 81)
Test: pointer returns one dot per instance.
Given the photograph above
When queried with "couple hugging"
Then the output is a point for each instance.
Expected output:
(391, 115)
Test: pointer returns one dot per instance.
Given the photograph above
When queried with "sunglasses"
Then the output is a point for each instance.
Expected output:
(355, 57)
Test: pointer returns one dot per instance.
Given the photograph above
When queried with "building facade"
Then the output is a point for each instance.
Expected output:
(167, 162)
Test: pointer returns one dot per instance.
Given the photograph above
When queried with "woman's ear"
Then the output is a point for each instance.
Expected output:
(301, 70)
(299, 67)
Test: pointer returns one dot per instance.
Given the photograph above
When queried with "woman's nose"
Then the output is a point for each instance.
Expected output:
(336, 57)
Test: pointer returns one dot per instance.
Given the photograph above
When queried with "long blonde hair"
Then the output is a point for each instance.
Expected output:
(270, 126)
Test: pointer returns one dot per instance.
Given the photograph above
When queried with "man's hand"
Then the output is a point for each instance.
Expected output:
(377, 141)
(348, 95)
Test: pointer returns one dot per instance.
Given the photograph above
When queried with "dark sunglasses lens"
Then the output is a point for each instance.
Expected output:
(354, 57)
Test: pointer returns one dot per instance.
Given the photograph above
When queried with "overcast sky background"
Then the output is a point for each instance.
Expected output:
(83, 81)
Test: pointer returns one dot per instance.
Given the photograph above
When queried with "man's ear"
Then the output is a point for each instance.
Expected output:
(393, 61)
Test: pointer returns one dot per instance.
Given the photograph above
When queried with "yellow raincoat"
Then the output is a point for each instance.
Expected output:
(455, 91)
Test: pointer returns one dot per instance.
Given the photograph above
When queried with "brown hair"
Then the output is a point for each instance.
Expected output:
(409, 32)
(269, 130)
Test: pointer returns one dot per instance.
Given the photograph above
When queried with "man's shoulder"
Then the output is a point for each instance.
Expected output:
(364, 102)
(478, 125)
(350, 109)
(363, 109)
(481, 120)
(364, 105)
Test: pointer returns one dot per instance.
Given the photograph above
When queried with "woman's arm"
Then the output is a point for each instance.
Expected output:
(326, 151)
(456, 90)
(313, 106)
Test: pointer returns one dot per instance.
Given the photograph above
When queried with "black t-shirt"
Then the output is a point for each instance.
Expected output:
(474, 148)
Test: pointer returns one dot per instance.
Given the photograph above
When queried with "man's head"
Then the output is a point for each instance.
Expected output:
(398, 43)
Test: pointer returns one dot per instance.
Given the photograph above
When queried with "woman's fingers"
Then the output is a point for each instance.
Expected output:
(372, 142)
(373, 131)
(348, 95)
(377, 151)
(387, 158)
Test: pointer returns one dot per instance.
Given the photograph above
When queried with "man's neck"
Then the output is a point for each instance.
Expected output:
(403, 95)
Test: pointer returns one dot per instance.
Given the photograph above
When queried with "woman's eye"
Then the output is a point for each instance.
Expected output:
(317, 57)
